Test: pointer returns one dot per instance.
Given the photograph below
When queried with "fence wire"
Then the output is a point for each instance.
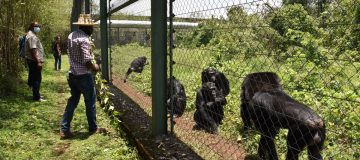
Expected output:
(311, 49)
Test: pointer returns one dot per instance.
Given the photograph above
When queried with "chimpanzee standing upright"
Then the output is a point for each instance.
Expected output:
(267, 107)
(137, 65)
(209, 107)
(178, 97)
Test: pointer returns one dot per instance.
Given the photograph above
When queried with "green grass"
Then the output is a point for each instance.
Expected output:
(30, 130)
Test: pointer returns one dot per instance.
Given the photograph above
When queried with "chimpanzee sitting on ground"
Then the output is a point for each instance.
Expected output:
(209, 107)
(137, 65)
(213, 75)
(266, 106)
(178, 95)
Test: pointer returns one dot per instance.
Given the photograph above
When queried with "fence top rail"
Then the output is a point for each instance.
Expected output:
(144, 24)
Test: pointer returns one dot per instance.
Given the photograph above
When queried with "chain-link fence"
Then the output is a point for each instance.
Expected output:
(312, 46)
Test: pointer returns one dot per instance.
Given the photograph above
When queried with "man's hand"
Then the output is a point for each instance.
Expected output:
(39, 65)
(95, 67)
(34, 55)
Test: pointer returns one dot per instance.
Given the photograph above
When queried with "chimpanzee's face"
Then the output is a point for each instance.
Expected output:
(210, 87)
(212, 76)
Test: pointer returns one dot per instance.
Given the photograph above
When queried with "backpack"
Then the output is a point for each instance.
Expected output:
(22, 41)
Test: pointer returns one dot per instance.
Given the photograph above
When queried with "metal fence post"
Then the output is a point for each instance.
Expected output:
(158, 66)
(87, 6)
(104, 40)
(76, 10)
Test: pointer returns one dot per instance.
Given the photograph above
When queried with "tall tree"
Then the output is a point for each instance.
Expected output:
(305, 3)
(15, 17)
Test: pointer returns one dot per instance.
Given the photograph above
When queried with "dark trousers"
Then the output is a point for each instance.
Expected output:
(34, 78)
(81, 84)
(57, 62)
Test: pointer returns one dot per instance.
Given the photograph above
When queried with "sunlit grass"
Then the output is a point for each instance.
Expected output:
(30, 130)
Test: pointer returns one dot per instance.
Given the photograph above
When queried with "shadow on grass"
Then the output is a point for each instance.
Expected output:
(77, 135)
(14, 105)
(81, 136)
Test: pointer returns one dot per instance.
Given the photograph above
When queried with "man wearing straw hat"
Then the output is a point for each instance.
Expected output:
(80, 77)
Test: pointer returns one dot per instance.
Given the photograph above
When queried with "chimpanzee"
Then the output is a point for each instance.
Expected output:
(137, 65)
(266, 106)
(209, 107)
(213, 75)
(261, 81)
(178, 95)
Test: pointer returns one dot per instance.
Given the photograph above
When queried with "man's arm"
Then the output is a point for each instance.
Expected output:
(33, 51)
(85, 48)
(35, 57)
(58, 48)
(92, 66)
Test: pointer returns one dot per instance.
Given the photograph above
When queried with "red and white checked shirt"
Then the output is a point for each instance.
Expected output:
(79, 52)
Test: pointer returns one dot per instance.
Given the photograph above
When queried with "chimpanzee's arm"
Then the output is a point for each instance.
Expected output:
(220, 98)
(224, 83)
(200, 100)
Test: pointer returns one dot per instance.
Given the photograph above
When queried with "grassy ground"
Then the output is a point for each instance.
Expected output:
(30, 130)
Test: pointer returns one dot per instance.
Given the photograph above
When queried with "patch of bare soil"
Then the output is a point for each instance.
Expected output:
(60, 148)
(135, 109)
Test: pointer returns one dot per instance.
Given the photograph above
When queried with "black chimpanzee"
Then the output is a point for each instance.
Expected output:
(209, 107)
(213, 75)
(262, 81)
(178, 95)
(137, 65)
(266, 106)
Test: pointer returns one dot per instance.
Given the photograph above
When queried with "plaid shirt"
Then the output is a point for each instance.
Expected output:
(79, 52)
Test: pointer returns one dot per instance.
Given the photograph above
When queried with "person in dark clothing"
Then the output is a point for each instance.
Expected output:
(34, 54)
(57, 53)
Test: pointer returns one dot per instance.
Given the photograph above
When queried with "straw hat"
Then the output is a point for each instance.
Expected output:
(84, 20)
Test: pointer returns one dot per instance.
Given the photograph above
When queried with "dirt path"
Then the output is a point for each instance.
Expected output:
(209, 146)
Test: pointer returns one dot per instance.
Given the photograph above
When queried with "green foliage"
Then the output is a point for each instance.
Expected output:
(199, 37)
(319, 87)
(237, 15)
(316, 56)
(304, 3)
(343, 39)
(293, 17)
(306, 46)
(16, 16)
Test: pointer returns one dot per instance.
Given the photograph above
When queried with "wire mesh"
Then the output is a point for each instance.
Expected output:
(312, 46)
